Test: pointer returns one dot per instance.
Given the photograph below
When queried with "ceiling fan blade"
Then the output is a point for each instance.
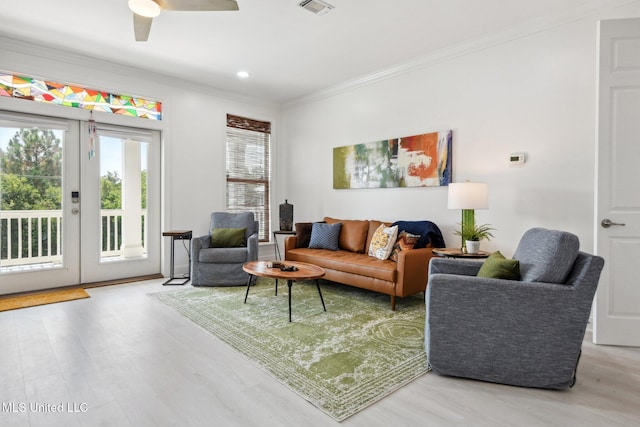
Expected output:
(198, 5)
(141, 27)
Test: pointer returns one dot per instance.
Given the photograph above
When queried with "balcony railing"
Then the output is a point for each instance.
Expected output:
(35, 237)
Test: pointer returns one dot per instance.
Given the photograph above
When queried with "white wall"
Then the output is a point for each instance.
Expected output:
(535, 94)
(193, 127)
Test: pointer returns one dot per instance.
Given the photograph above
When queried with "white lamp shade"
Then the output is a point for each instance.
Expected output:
(468, 195)
(146, 8)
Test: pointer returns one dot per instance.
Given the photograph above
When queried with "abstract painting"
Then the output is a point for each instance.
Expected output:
(412, 161)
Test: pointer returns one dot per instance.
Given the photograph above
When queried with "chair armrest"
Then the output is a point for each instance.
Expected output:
(198, 243)
(252, 247)
(465, 267)
(507, 303)
(412, 267)
(290, 242)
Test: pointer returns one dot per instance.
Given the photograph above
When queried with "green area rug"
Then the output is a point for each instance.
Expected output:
(341, 360)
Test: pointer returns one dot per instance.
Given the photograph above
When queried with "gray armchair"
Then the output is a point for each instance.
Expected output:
(524, 332)
(222, 266)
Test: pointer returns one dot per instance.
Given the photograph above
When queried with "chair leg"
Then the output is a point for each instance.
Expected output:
(393, 303)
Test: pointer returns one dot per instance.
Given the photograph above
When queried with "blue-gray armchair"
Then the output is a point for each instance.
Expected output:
(222, 266)
(525, 332)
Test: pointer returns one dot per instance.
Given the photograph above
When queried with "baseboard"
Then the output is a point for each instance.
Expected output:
(88, 285)
(120, 281)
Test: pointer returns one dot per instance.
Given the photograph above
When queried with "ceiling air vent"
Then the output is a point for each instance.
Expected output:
(316, 6)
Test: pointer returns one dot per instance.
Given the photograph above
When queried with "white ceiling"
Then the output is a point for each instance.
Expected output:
(289, 52)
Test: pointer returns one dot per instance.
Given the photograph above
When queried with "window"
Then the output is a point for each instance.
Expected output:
(248, 169)
(25, 87)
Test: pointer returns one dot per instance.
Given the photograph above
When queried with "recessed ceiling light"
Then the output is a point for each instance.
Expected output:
(242, 74)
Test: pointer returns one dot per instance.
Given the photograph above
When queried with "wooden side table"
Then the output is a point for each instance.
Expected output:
(178, 235)
(457, 253)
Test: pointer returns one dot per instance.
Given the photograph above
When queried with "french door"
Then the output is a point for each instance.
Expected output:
(120, 219)
(39, 221)
(76, 207)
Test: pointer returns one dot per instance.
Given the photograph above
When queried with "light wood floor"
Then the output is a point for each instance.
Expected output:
(120, 358)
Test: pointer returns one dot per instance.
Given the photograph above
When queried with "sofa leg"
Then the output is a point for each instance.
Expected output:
(393, 303)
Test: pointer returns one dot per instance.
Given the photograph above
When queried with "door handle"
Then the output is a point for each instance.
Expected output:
(606, 223)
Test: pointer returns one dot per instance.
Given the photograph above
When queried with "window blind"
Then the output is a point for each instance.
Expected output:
(248, 169)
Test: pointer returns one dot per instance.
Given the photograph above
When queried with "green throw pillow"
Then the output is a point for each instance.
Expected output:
(228, 237)
(499, 267)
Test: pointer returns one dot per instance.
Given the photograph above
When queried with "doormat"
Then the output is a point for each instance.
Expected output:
(41, 298)
(341, 360)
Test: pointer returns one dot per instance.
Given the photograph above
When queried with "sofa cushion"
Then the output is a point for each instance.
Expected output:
(499, 267)
(405, 242)
(303, 234)
(348, 262)
(228, 237)
(325, 236)
(546, 255)
(353, 235)
(382, 242)
(223, 255)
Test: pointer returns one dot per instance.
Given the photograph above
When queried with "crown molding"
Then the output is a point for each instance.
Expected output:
(526, 29)
(81, 60)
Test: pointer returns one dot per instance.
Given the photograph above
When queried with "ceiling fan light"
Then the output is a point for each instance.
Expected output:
(146, 8)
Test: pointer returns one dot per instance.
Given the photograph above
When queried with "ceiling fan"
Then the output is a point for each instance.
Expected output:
(145, 10)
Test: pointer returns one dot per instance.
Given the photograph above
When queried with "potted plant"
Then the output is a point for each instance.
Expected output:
(473, 235)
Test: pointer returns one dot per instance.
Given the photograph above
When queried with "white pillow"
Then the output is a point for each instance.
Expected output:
(383, 241)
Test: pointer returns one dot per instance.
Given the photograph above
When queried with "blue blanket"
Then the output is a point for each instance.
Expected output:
(428, 231)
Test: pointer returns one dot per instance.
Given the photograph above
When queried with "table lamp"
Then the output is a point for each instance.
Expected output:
(467, 196)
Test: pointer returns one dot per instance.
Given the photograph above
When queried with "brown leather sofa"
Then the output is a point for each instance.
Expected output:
(352, 265)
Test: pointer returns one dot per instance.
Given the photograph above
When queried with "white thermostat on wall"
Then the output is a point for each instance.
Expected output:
(517, 159)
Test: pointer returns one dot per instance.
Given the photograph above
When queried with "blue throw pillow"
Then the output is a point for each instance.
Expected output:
(325, 236)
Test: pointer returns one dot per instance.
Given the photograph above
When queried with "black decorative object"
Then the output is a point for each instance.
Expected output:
(286, 216)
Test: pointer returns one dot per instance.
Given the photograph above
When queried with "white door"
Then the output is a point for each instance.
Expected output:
(67, 217)
(120, 203)
(39, 217)
(617, 309)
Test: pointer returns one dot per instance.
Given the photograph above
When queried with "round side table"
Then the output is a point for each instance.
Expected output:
(457, 253)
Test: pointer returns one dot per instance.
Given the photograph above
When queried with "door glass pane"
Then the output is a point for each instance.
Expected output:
(31, 162)
(123, 198)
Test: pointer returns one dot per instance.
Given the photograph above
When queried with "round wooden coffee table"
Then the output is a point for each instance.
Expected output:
(304, 271)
